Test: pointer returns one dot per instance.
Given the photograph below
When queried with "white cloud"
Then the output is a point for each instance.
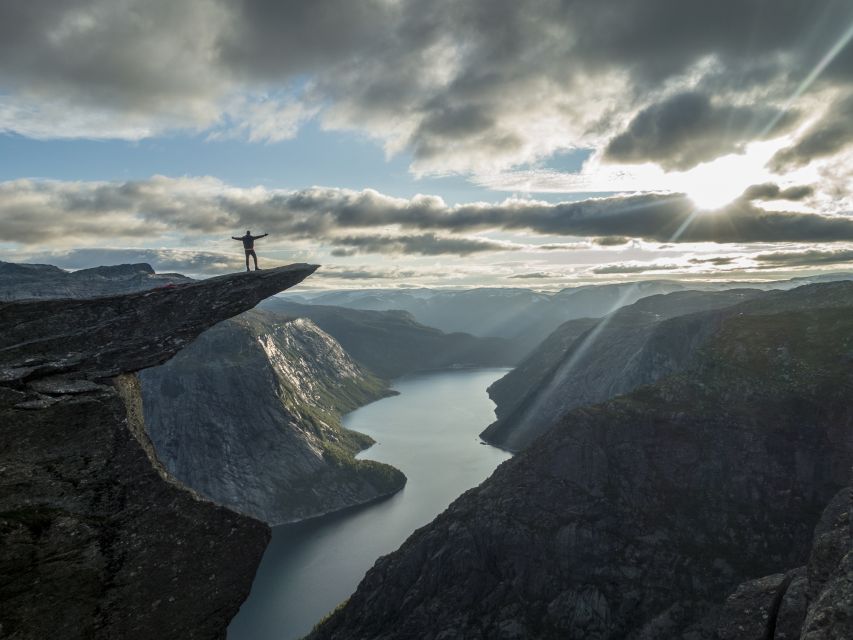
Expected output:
(475, 87)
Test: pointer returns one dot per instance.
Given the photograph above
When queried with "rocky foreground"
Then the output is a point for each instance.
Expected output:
(97, 540)
(713, 504)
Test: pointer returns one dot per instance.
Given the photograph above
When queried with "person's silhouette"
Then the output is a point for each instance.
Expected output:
(248, 241)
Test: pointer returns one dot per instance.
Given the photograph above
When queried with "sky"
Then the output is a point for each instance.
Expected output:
(442, 143)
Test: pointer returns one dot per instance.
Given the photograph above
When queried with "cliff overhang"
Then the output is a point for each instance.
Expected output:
(98, 541)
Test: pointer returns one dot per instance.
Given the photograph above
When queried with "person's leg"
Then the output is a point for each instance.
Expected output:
(247, 261)
(255, 258)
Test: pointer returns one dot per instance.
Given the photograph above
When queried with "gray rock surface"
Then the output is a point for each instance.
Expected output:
(828, 582)
(96, 338)
(813, 602)
(96, 539)
(42, 281)
(249, 416)
(636, 518)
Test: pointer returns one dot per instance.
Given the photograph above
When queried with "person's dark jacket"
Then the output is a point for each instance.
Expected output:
(249, 240)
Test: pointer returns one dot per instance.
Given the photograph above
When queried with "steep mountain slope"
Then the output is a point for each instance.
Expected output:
(392, 343)
(96, 539)
(249, 416)
(587, 361)
(26, 281)
(532, 372)
(636, 518)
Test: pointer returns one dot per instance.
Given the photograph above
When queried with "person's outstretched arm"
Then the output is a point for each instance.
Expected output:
(263, 235)
(233, 238)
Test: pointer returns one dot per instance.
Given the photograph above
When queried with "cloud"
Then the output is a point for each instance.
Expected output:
(69, 214)
(561, 246)
(717, 261)
(162, 260)
(427, 244)
(338, 272)
(207, 263)
(124, 68)
(832, 133)
(537, 275)
(772, 191)
(611, 241)
(809, 258)
(462, 86)
(689, 128)
(627, 268)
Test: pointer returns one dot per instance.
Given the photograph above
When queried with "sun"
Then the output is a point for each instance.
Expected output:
(713, 195)
(712, 185)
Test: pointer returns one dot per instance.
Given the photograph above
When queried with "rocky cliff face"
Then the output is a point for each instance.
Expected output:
(98, 540)
(636, 518)
(586, 361)
(41, 281)
(249, 415)
(812, 602)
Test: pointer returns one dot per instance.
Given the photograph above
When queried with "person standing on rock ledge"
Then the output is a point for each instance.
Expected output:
(248, 241)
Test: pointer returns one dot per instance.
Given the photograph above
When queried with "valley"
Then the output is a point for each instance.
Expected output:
(429, 432)
(357, 431)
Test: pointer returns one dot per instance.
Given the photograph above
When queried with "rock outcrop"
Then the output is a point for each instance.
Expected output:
(812, 602)
(98, 541)
(42, 281)
(636, 518)
(249, 416)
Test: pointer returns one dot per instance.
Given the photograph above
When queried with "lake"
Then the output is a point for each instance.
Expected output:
(430, 432)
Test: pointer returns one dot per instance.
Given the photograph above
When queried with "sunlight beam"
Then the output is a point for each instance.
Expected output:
(813, 75)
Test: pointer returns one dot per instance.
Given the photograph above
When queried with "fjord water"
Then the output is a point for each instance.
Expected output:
(430, 432)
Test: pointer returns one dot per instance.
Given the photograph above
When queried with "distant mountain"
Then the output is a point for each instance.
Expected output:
(712, 504)
(523, 315)
(587, 361)
(27, 281)
(393, 343)
(249, 416)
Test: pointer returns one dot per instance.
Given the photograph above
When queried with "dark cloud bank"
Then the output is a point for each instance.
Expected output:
(54, 213)
(458, 83)
(689, 128)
